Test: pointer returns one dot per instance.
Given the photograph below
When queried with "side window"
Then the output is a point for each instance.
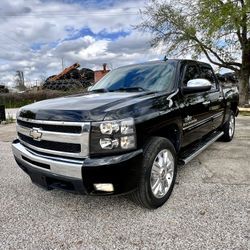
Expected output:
(190, 74)
(208, 74)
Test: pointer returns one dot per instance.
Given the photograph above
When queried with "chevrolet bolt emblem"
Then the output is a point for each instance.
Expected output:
(35, 134)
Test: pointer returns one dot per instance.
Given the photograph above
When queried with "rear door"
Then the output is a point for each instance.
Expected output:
(195, 108)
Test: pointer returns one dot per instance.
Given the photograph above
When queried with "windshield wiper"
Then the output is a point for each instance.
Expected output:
(99, 90)
(130, 89)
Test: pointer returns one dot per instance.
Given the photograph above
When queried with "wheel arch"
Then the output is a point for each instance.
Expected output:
(172, 132)
(234, 108)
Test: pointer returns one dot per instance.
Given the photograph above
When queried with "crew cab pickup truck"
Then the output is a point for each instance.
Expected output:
(128, 132)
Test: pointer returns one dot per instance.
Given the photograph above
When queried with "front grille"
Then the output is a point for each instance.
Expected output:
(64, 139)
(57, 146)
(53, 128)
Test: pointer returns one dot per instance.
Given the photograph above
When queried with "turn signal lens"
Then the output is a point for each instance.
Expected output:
(127, 126)
(127, 142)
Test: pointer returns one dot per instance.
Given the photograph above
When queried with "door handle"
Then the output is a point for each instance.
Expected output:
(206, 102)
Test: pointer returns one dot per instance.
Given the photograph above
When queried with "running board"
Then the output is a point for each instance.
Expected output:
(190, 154)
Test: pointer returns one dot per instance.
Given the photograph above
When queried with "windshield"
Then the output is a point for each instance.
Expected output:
(144, 77)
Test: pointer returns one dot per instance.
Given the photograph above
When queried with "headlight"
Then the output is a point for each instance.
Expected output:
(109, 128)
(112, 136)
(108, 143)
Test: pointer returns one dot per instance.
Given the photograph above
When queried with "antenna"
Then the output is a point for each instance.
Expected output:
(165, 58)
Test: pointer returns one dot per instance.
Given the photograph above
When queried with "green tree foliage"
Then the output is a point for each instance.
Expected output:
(219, 29)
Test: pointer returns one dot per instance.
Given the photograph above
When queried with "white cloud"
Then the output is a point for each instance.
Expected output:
(34, 36)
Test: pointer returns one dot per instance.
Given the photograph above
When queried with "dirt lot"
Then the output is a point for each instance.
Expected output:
(209, 207)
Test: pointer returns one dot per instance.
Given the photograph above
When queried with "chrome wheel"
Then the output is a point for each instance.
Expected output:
(162, 173)
(231, 126)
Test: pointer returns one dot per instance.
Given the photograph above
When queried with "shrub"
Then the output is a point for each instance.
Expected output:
(17, 100)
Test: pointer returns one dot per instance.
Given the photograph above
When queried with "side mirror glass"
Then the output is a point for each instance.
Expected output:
(197, 85)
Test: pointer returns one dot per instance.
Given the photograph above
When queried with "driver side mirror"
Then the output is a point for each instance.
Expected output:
(197, 85)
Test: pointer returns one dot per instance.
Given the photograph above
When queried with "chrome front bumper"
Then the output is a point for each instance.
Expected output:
(58, 167)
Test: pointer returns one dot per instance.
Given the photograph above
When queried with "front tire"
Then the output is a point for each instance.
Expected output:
(229, 128)
(158, 173)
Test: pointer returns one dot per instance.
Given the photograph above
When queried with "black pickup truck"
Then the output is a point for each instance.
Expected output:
(128, 133)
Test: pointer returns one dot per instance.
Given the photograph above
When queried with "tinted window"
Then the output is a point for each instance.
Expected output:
(207, 73)
(190, 74)
(155, 77)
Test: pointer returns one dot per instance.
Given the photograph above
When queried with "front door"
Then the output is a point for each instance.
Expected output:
(195, 109)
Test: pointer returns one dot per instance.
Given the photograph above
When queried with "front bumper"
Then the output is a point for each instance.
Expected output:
(79, 175)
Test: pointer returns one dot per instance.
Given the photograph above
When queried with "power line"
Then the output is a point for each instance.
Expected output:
(69, 13)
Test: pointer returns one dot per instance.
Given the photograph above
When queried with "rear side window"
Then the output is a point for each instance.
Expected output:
(207, 73)
(190, 74)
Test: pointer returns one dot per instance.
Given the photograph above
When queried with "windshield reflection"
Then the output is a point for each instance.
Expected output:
(143, 77)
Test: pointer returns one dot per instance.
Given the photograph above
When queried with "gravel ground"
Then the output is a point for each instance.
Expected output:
(209, 207)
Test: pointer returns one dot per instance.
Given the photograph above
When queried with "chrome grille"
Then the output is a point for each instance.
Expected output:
(69, 139)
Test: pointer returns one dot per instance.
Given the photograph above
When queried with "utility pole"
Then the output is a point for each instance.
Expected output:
(62, 64)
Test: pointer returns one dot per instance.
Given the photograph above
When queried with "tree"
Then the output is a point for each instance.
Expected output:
(218, 29)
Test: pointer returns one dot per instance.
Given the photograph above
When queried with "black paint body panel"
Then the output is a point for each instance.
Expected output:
(181, 118)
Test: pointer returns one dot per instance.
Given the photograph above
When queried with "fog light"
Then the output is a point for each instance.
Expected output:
(127, 142)
(105, 187)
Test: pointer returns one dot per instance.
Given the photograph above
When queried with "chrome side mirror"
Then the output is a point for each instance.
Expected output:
(199, 82)
(197, 85)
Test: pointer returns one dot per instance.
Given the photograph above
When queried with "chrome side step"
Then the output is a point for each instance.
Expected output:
(187, 156)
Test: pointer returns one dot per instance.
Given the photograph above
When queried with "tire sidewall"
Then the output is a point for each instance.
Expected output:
(148, 164)
(231, 115)
(226, 136)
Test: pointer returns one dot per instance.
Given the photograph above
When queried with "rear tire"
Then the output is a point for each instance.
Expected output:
(158, 173)
(229, 128)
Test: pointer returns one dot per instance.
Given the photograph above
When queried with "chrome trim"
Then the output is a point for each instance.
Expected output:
(76, 138)
(191, 157)
(57, 158)
(53, 152)
(66, 168)
(204, 121)
(218, 115)
(54, 136)
(199, 82)
(198, 123)
(52, 122)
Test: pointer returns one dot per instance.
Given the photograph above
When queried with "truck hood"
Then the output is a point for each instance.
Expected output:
(92, 107)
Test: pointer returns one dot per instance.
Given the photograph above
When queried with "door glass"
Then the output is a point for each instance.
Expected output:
(208, 74)
(190, 74)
